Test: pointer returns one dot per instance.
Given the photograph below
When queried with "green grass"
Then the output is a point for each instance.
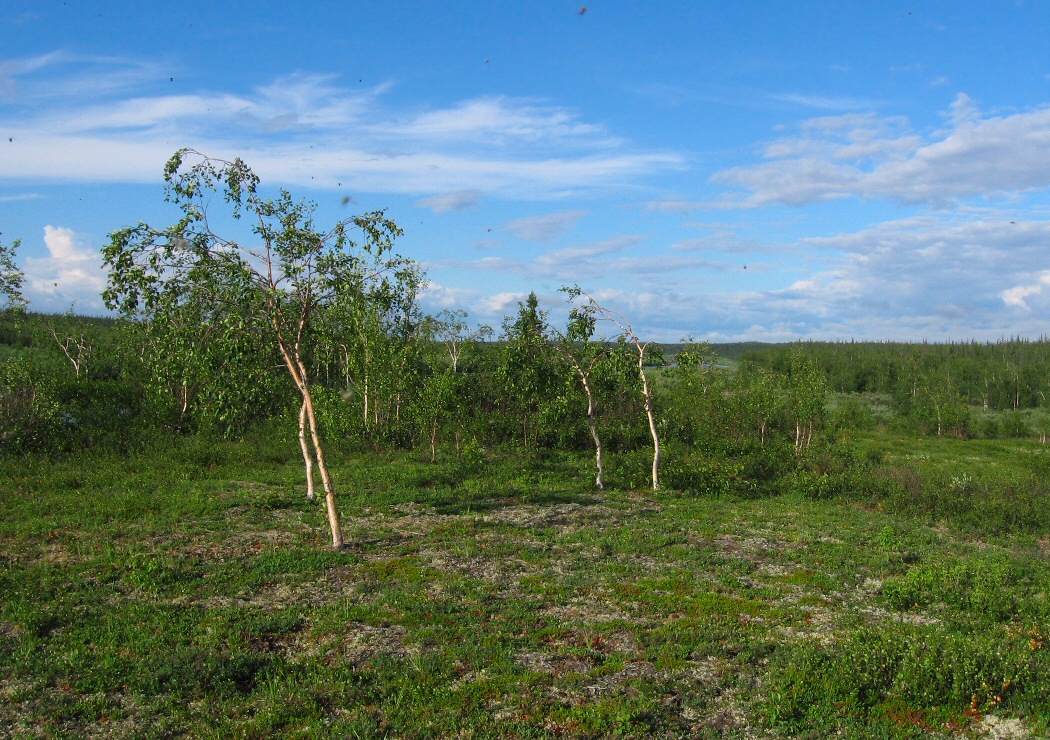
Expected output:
(191, 591)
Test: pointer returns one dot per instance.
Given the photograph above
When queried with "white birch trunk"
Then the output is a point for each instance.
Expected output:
(647, 393)
(308, 460)
(592, 426)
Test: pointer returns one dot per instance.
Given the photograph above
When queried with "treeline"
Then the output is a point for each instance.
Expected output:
(938, 388)
(1010, 374)
(400, 379)
(412, 380)
(72, 381)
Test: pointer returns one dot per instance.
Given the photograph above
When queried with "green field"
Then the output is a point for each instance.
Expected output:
(899, 590)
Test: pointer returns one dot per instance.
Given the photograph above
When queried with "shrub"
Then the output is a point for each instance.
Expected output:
(812, 485)
(632, 469)
(1015, 425)
(852, 414)
(989, 428)
(30, 418)
(913, 671)
(705, 477)
(991, 504)
(984, 587)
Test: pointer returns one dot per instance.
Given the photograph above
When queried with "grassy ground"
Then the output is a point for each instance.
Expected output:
(191, 591)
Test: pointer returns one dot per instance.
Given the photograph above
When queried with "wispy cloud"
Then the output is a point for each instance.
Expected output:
(459, 200)
(507, 119)
(303, 130)
(824, 102)
(62, 77)
(896, 280)
(675, 205)
(607, 260)
(544, 228)
(581, 257)
(867, 156)
(725, 240)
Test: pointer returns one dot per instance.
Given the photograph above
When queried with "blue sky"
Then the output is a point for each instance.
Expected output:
(730, 171)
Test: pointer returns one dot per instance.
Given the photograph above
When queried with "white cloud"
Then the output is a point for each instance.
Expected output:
(1017, 296)
(934, 277)
(72, 276)
(458, 200)
(60, 243)
(868, 156)
(436, 296)
(501, 303)
(481, 308)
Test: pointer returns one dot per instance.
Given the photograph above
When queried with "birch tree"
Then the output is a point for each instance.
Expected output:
(371, 335)
(75, 345)
(585, 356)
(938, 404)
(759, 400)
(201, 359)
(285, 267)
(443, 396)
(637, 349)
(806, 393)
(525, 370)
(11, 279)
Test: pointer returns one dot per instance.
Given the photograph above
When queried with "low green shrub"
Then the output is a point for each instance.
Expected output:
(993, 503)
(30, 417)
(1015, 425)
(983, 587)
(631, 469)
(852, 414)
(925, 673)
(703, 477)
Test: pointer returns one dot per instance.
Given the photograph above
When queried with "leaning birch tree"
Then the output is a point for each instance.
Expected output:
(286, 271)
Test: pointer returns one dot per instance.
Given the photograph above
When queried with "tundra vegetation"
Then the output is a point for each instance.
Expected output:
(843, 539)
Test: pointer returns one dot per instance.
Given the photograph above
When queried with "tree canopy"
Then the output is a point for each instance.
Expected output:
(274, 282)
(11, 278)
